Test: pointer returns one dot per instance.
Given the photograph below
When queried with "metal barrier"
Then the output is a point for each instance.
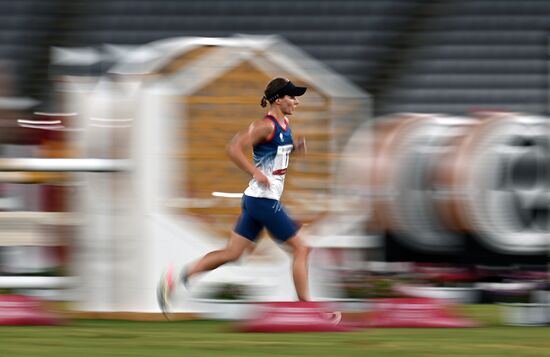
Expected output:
(65, 165)
(55, 165)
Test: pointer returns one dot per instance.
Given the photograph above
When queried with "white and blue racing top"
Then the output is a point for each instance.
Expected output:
(271, 157)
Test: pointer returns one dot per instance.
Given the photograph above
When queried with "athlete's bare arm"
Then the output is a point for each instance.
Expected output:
(258, 131)
(300, 146)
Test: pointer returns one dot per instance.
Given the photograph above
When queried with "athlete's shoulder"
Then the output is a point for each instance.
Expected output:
(263, 124)
(262, 130)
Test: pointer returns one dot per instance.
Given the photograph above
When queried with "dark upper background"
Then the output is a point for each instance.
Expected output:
(447, 56)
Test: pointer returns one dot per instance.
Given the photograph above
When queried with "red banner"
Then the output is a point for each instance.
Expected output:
(293, 317)
(24, 310)
(415, 312)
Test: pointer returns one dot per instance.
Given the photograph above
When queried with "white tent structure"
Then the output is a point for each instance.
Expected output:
(130, 236)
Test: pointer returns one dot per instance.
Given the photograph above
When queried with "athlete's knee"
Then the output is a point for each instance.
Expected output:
(301, 250)
(307, 250)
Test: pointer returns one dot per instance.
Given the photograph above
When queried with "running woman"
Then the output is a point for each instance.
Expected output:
(272, 143)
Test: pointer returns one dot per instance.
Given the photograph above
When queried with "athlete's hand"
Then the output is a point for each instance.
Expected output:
(300, 145)
(261, 179)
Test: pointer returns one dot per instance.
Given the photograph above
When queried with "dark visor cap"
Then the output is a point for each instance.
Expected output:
(289, 89)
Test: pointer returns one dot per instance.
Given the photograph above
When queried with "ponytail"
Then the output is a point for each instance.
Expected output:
(263, 103)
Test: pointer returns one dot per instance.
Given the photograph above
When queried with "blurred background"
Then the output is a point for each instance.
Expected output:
(426, 120)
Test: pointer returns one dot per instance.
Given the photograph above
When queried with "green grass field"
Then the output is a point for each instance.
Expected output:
(213, 338)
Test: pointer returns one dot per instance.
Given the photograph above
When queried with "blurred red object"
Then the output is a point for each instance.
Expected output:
(415, 312)
(293, 317)
(24, 310)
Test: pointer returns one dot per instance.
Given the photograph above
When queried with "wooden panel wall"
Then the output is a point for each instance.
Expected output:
(213, 115)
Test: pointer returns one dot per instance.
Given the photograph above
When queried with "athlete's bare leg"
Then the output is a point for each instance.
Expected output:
(235, 247)
(300, 254)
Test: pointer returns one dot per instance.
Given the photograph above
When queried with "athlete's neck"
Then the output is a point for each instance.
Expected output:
(277, 114)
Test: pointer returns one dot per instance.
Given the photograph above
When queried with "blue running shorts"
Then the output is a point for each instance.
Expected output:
(258, 213)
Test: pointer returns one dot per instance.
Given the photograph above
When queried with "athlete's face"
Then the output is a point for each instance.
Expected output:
(288, 103)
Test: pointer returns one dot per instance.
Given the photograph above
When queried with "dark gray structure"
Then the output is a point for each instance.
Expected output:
(448, 56)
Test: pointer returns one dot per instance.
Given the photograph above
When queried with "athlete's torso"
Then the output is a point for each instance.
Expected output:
(272, 157)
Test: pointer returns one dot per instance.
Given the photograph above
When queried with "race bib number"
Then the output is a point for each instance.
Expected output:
(281, 159)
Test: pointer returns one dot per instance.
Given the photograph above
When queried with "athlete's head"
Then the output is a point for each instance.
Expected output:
(282, 93)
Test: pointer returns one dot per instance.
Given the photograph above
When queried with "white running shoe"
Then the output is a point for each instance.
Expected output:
(165, 291)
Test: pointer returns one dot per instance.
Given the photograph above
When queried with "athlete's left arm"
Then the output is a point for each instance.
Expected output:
(300, 146)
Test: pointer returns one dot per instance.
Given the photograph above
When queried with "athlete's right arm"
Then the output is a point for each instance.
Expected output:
(257, 132)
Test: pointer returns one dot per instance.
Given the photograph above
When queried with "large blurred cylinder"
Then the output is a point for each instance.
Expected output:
(497, 183)
(407, 148)
(434, 180)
